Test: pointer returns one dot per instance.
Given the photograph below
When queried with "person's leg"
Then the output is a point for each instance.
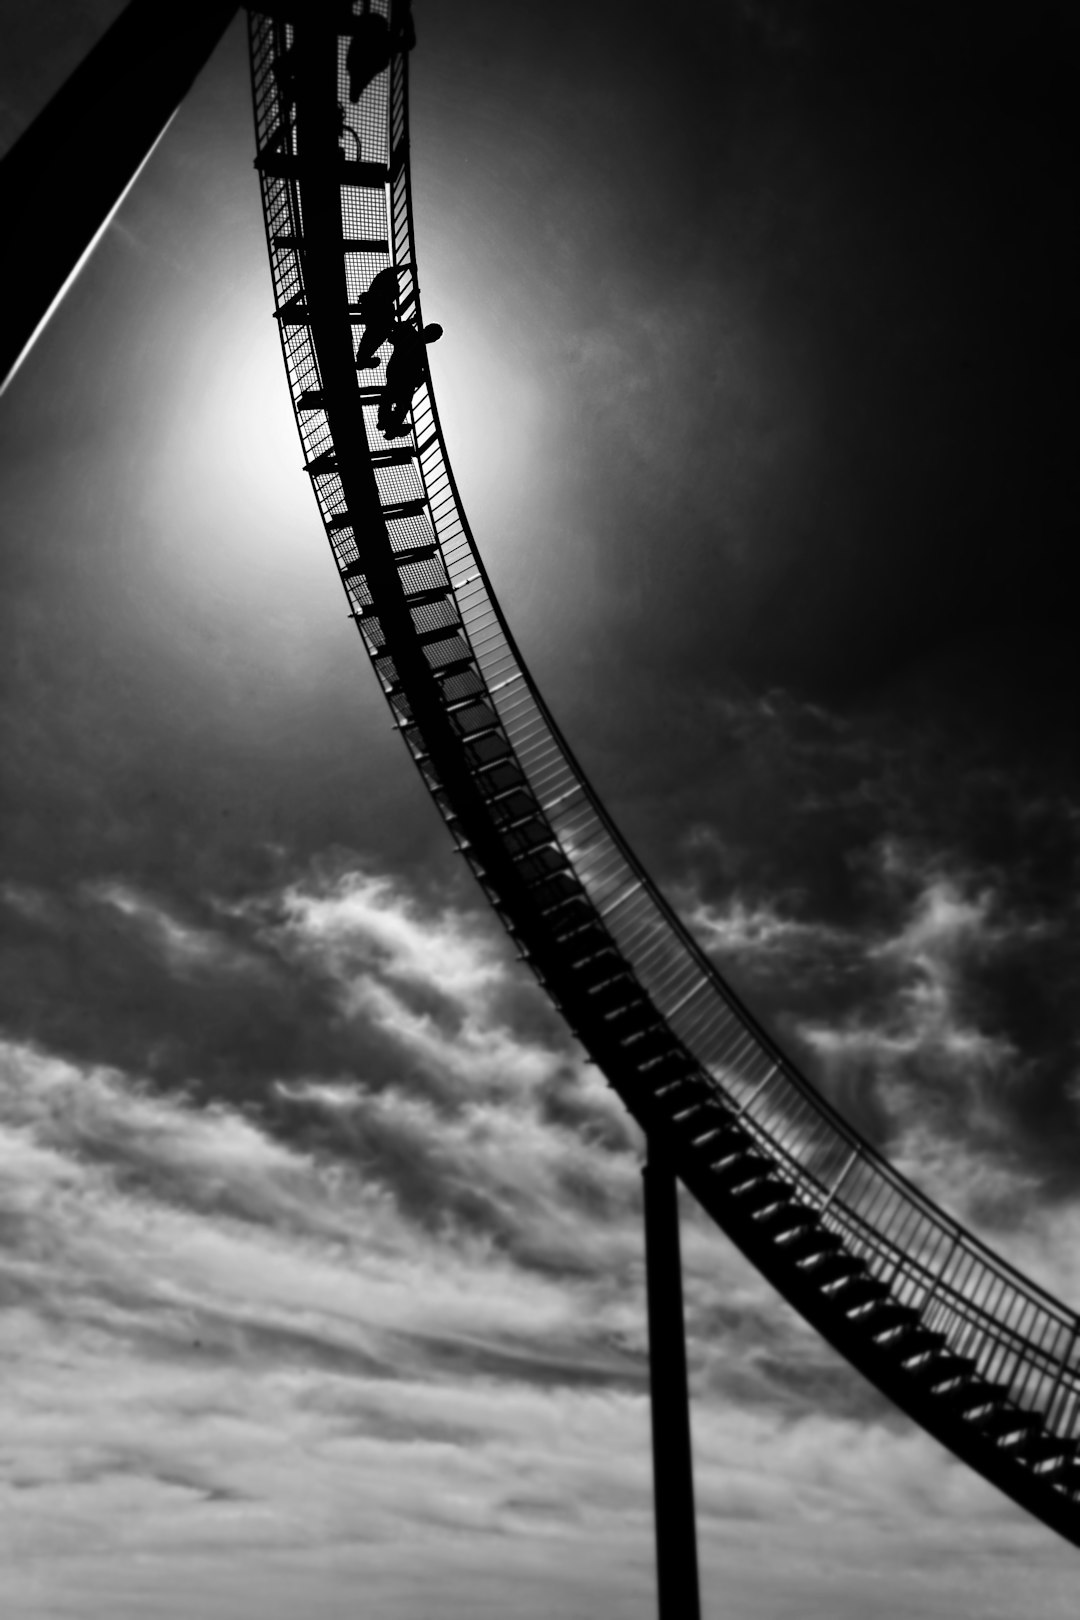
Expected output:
(396, 413)
(377, 332)
(367, 353)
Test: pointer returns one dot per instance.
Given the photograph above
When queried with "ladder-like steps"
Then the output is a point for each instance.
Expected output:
(819, 1243)
(749, 1178)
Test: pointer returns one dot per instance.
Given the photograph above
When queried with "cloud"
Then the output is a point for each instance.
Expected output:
(927, 1066)
(903, 1010)
(363, 1311)
(186, 948)
(785, 963)
(341, 973)
(362, 920)
(284, 1364)
(409, 1296)
(905, 1016)
(31, 903)
(916, 1043)
(741, 929)
(493, 1123)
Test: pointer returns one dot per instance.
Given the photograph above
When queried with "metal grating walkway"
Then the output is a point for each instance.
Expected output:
(974, 1352)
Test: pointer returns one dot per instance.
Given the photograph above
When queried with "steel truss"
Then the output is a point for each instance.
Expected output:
(982, 1358)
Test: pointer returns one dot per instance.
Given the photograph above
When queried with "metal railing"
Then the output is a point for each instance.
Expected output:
(1016, 1333)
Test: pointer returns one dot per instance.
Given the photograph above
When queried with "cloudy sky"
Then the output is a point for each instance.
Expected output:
(321, 1262)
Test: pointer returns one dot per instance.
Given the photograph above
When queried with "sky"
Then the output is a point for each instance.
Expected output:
(322, 1259)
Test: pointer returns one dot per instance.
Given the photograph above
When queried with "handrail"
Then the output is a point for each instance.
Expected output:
(1012, 1330)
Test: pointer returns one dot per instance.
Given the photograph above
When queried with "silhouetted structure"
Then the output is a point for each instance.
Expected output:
(980, 1356)
(369, 51)
(406, 369)
(673, 1469)
(983, 1358)
(120, 98)
(377, 308)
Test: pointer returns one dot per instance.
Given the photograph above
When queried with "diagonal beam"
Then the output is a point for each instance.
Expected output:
(67, 173)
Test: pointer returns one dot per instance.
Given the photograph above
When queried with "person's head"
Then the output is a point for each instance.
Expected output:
(432, 332)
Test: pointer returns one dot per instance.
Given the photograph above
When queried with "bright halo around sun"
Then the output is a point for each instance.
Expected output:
(234, 535)
(230, 456)
(492, 413)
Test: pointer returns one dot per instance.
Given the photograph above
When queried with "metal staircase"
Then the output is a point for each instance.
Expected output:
(974, 1352)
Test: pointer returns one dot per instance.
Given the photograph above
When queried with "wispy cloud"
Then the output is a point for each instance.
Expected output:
(186, 947)
(917, 1040)
(904, 1015)
(401, 1302)
(741, 929)
(283, 1367)
(360, 920)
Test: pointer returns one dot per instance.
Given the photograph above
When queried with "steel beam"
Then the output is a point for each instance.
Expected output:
(66, 174)
(673, 1468)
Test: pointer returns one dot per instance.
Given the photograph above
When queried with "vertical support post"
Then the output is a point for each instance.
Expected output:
(66, 174)
(673, 1471)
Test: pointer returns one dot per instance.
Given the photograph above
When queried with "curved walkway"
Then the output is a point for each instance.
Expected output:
(978, 1355)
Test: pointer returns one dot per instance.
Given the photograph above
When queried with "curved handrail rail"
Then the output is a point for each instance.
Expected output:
(1012, 1330)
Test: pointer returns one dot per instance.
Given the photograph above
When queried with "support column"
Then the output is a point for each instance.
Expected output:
(673, 1472)
(64, 177)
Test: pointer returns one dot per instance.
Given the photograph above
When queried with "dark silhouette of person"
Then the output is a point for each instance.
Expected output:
(405, 371)
(373, 41)
(369, 50)
(402, 27)
(378, 307)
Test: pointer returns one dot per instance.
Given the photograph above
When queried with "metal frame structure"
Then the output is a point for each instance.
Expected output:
(977, 1354)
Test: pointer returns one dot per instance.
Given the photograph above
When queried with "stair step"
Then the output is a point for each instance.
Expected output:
(890, 1318)
(410, 554)
(666, 1069)
(976, 1395)
(426, 598)
(1065, 1471)
(699, 1109)
(830, 1265)
(616, 995)
(596, 971)
(404, 509)
(742, 1168)
(917, 1344)
(1002, 1421)
(413, 554)
(1038, 1447)
(658, 1049)
(728, 1141)
(807, 1238)
(700, 1119)
(456, 666)
(858, 1294)
(945, 1369)
(684, 1088)
(786, 1223)
(633, 1036)
(585, 941)
(763, 1193)
(633, 1023)
(397, 457)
